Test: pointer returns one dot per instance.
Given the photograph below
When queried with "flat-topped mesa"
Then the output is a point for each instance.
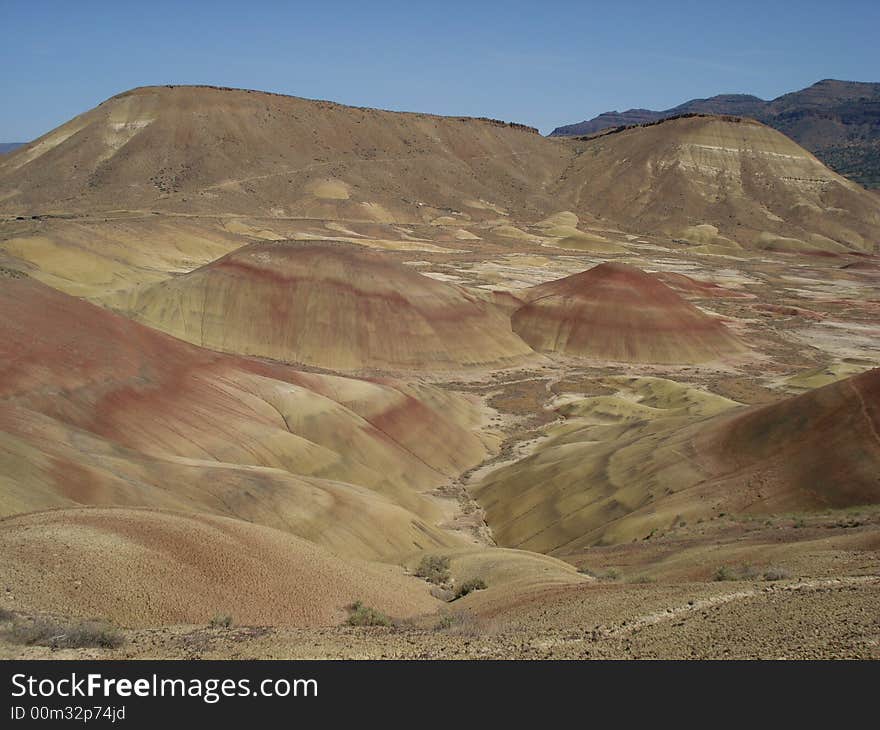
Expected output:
(618, 312)
(210, 150)
(331, 305)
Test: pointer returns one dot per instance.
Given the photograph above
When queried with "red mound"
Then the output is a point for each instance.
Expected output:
(618, 312)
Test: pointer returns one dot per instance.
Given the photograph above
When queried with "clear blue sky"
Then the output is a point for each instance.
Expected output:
(540, 63)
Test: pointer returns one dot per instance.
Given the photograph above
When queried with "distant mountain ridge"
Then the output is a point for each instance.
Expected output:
(838, 121)
(6, 147)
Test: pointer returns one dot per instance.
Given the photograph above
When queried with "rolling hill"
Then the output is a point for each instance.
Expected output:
(720, 181)
(197, 155)
(655, 454)
(838, 121)
(618, 312)
(98, 410)
(331, 305)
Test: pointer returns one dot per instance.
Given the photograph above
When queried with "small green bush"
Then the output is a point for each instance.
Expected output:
(221, 621)
(434, 569)
(469, 586)
(361, 615)
(724, 573)
(447, 620)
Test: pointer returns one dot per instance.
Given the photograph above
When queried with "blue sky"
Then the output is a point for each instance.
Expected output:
(539, 63)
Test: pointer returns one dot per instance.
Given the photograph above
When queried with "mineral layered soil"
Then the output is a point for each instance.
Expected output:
(264, 360)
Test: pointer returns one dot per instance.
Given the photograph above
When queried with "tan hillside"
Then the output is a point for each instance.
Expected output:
(153, 567)
(201, 151)
(617, 312)
(329, 305)
(207, 150)
(747, 181)
(657, 453)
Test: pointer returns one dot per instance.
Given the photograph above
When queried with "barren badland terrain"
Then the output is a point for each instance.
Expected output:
(282, 378)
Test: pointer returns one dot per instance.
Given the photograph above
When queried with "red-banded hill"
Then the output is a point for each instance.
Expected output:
(98, 410)
(618, 312)
(332, 305)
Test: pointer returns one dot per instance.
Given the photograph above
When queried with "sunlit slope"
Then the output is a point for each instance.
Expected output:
(96, 409)
(95, 258)
(201, 151)
(331, 305)
(749, 182)
(140, 567)
(617, 312)
(204, 150)
(655, 453)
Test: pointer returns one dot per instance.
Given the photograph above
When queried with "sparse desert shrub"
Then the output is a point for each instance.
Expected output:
(446, 621)
(799, 523)
(6, 615)
(466, 623)
(851, 522)
(221, 621)
(724, 573)
(776, 574)
(361, 615)
(743, 572)
(641, 579)
(442, 593)
(609, 574)
(434, 569)
(469, 586)
(61, 635)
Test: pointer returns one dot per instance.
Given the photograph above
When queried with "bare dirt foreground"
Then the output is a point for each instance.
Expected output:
(798, 619)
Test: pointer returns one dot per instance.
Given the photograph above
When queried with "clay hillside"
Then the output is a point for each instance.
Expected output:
(838, 121)
(204, 151)
(282, 378)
